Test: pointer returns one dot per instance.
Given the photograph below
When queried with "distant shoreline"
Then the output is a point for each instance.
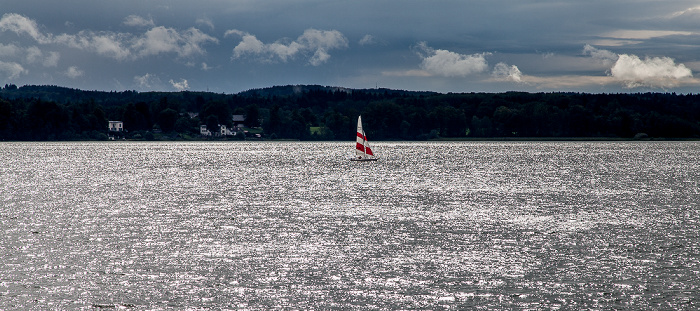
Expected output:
(318, 113)
(563, 139)
(471, 139)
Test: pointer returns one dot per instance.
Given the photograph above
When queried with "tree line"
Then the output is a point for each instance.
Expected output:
(330, 113)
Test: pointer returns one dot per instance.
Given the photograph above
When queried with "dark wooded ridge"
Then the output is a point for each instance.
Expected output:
(313, 112)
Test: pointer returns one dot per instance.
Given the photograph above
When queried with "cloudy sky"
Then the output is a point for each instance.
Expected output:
(228, 46)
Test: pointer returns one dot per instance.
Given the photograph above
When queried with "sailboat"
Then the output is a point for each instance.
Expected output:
(362, 150)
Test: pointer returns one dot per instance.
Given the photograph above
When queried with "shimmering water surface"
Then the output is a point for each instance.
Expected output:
(525, 225)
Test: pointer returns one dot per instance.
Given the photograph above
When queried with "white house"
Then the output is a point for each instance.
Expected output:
(204, 131)
(238, 120)
(116, 126)
(223, 131)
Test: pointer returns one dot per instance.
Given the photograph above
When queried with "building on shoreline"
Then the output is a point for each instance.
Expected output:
(116, 126)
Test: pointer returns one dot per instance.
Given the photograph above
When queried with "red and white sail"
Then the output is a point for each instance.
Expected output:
(362, 148)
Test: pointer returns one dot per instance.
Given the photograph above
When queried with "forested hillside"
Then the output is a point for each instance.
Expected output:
(329, 113)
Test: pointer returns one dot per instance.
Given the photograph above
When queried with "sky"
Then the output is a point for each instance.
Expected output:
(229, 46)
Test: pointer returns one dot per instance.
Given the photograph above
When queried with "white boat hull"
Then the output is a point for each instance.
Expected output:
(364, 160)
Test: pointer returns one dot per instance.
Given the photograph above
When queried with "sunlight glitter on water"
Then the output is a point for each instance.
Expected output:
(296, 226)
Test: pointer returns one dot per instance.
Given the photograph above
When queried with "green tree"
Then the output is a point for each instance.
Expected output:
(167, 119)
(449, 121)
(274, 123)
(8, 119)
(383, 120)
(213, 124)
(504, 118)
(481, 127)
(220, 110)
(340, 125)
(185, 125)
(252, 116)
(134, 119)
(47, 121)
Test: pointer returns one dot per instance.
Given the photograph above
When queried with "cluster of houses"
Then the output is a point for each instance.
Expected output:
(116, 128)
(238, 124)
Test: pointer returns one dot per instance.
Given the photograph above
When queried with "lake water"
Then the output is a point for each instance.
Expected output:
(295, 225)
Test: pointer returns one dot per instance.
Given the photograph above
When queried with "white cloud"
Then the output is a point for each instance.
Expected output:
(324, 39)
(9, 50)
(73, 72)
(313, 42)
(249, 44)
(367, 40)
(167, 40)
(690, 14)
(108, 44)
(34, 55)
(146, 81)
(120, 46)
(622, 37)
(51, 60)
(22, 25)
(28, 56)
(643, 34)
(235, 32)
(451, 64)
(320, 57)
(504, 72)
(633, 71)
(11, 70)
(650, 71)
(138, 21)
(284, 51)
(205, 21)
(180, 86)
(605, 56)
(546, 55)
(158, 40)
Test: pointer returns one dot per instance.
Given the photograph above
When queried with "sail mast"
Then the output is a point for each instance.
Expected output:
(360, 145)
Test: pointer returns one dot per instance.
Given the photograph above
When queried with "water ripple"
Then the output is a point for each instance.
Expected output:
(292, 225)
